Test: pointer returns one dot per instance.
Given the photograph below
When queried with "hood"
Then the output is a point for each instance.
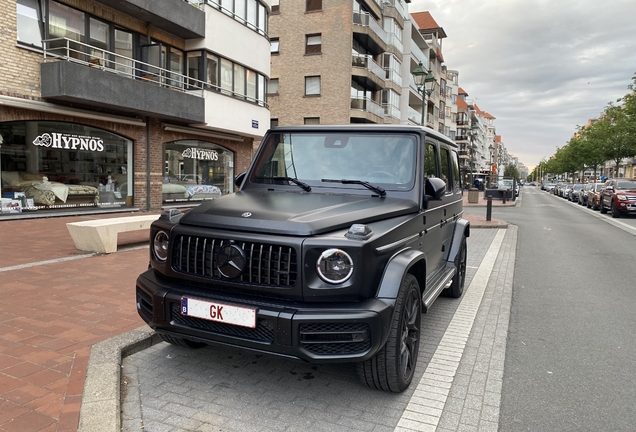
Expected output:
(301, 214)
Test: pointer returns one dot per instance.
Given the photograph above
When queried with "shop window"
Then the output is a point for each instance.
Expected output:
(50, 165)
(196, 171)
(313, 44)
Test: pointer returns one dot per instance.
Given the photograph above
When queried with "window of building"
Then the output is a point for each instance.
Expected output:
(313, 44)
(124, 49)
(250, 85)
(312, 120)
(226, 76)
(196, 171)
(194, 68)
(212, 71)
(273, 123)
(313, 5)
(312, 86)
(449, 114)
(275, 6)
(272, 86)
(46, 165)
(274, 45)
(29, 22)
(239, 80)
(69, 23)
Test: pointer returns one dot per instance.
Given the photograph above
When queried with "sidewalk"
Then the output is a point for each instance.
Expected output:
(57, 303)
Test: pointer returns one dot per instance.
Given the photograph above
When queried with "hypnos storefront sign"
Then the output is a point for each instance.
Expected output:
(70, 142)
(200, 154)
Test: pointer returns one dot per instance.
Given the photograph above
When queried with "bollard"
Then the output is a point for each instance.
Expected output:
(505, 195)
(489, 209)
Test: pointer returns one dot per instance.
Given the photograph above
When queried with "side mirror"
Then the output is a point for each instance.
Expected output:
(239, 179)
(435, 187)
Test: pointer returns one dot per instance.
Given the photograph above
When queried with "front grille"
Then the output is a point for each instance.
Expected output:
(265, 264)
(264, 331)
(144, 304)
(335, 338)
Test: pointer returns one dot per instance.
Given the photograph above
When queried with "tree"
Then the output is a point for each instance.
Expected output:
(511, 171)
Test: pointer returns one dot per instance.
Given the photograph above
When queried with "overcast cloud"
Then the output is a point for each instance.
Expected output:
(541, 67)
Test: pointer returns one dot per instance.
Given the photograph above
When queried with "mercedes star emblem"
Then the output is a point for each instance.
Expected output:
(230, 261)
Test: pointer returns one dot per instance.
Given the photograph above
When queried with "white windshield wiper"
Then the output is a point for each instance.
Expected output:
(303, 185)
(367, 185)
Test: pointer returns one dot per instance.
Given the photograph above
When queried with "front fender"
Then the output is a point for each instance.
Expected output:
(397, 267)
(462, 228)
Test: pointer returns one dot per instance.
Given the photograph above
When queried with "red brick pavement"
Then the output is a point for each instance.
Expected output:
(51, 315)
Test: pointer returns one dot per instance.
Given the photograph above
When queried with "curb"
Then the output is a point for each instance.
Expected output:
(100, 410)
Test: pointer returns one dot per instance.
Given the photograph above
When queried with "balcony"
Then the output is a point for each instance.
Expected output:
(366, 104)
(79, 73)
(415, 116)
(397, 4)
(393, 39)
(174, 16)
(394, 76)
(461, 138)
(367, 72)
(369, 33)
(391, 110)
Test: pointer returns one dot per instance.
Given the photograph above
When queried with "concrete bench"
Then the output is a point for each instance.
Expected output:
(100, 235)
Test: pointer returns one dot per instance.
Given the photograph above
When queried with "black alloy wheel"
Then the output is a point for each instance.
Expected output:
(457, 285)
(601, 206)
(393, 367)
(615, 212)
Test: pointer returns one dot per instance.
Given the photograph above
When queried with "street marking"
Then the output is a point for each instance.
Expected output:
(432, 382)
(58, 260)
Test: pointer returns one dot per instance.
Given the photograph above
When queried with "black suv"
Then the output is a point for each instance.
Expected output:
(337, 240)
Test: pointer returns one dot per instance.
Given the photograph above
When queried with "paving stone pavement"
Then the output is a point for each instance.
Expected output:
(217, 388)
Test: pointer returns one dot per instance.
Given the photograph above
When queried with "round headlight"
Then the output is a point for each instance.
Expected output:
(160, 246)
(334, 266)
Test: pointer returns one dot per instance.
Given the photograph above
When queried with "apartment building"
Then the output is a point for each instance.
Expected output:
(124, 104)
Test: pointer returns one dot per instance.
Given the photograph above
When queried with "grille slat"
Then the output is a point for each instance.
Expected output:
(265, 263)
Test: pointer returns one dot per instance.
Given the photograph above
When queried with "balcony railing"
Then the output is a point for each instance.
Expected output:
(394, 76)
(366, 61)
(391, 110)
(398, 5)
(365, 19)
(419, 55)
(108, 61)
(368, 105)
(392, 39)
(415, 116)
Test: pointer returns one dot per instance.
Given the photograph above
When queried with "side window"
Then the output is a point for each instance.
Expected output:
(430, 155)
(446, 169)
(456, 179)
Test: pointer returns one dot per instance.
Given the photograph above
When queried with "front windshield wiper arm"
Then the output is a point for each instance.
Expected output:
(294, 180)
(367, 185)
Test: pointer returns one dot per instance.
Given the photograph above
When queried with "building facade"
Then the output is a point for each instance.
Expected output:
(122, 104)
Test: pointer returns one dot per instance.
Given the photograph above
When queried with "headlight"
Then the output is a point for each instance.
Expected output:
(621, 197)
(160, 246)
(334, 266)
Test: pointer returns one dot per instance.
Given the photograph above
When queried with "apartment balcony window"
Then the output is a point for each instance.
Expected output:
(391, 111)
(367, 62)
(251, 13)
(365, 19)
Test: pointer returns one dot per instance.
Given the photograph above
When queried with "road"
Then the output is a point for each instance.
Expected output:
(571, 357)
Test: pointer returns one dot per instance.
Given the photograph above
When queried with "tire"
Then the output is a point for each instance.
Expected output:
(615, 212)
(182, 342)
(457, 285)
(392, 368)
(601, 206)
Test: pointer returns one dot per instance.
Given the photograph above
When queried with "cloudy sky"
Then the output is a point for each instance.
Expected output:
(541, 67)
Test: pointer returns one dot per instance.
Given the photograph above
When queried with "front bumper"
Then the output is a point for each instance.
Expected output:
(325, 332)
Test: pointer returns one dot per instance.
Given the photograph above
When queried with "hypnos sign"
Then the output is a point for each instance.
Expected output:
(70, 142)
(201, 154)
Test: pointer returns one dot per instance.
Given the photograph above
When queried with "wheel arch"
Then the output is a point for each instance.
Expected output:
(462, 229)
(404, 262)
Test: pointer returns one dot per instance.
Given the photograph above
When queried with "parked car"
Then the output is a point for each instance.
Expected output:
(565, 190)
(583, 193)
(331, 255)
(508, 184)
(619, 196)
(573, 192)
(594, 196)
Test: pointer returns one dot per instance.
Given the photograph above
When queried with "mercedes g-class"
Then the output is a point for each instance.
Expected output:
(336, 241)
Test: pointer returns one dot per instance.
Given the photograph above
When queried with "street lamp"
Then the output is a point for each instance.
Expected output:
(425, 82)
(491, 148)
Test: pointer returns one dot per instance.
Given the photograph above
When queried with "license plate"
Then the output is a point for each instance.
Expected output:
(219, 312)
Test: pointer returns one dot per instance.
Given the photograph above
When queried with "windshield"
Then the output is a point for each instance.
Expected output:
(311, 157)
(626, 185)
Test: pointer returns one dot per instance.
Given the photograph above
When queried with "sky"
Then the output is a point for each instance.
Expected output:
(541, 67)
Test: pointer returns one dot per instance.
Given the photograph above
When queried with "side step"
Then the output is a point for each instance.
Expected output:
(445, 281)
